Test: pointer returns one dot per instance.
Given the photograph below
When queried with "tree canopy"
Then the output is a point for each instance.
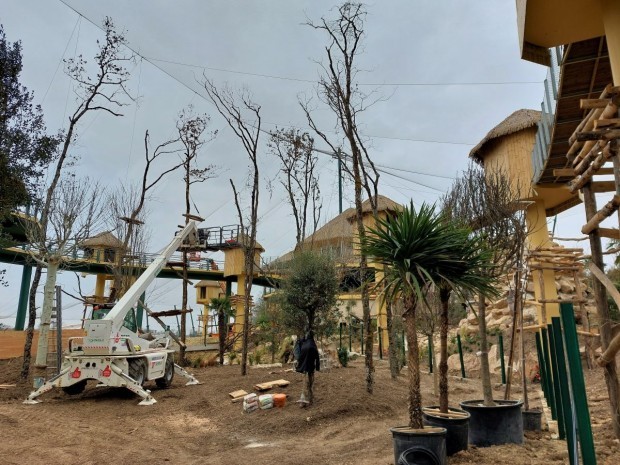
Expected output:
(25, 147)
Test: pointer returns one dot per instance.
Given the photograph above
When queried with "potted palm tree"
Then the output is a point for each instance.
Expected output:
(420, 248)
(467, 273)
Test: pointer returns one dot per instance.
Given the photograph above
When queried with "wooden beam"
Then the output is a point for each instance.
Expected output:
(583, 160)
(607, 123)
(604, 186)
(598, 162)
(610, 353)
(589, 103)
(599, 134)
(605, 281)
(609, 233)
(609, 209)
(560, 301)
(564, 172)
(149, 312)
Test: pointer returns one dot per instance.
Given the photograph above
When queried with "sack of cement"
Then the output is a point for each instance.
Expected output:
(265, 401)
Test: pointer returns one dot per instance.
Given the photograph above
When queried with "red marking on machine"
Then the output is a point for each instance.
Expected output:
(107, 371)
(117, 338)
(76, 373)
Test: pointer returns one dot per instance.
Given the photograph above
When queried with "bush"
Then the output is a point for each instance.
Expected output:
(343, 356)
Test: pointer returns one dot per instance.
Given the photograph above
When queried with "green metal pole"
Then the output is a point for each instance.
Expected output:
(578, 385)
(402, 345)
(556, 385)
(178, 326)
(380, 343)
(541, 366)
(430, 354)
(350, 335)
(501, 357)
(571, 433)
(191, 318)
(340, 335)
(460, 347)
(549, 372)
(22, 306)
(140, 312)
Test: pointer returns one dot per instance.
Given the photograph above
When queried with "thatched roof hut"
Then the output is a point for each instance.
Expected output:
(338, 233)
(518, 121)
(103, 240)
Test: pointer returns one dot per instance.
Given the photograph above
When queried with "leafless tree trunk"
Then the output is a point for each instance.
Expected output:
(102, 92)
(191, 129)
(339, 92)
(233, 109)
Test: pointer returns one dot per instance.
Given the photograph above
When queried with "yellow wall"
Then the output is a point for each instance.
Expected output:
(513, 154)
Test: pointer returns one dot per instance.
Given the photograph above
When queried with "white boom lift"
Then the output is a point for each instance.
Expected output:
(112, 352)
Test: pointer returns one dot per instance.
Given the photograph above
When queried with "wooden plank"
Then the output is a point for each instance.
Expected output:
(238, 393)
(271, 384)
(436, 412)
(605, 212)
(174, 312)
(560, 301)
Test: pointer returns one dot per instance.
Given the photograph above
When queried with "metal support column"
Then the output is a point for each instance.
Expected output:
(24, 291)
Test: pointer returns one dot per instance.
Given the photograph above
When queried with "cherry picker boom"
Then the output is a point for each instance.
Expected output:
(112, 352)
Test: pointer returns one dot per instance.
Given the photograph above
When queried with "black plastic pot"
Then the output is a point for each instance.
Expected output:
(419, 446)
(457, 429)
(491, 426)
(532, 420)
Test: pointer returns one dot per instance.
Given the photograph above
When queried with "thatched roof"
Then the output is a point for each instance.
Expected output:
(518, 121)
(104, 240)
(383, 204)
(339, 231)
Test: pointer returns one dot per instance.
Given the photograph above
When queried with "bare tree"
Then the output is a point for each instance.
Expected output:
(74, 210)
(104, 90)
(235, 109)
(337, 90)
(191, 129)
(298, 162)
(129, 209)
(490, 203)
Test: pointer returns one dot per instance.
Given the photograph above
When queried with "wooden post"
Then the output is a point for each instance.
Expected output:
(543, 306)
(602, 308)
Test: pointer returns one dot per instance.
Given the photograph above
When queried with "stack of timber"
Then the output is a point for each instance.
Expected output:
(593, 143)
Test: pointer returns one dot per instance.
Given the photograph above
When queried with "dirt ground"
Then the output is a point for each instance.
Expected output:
(200, 425)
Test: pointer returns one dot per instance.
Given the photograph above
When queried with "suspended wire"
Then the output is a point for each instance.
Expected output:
(61, 60)
(191, 89)
(373, 84)
(135, 117)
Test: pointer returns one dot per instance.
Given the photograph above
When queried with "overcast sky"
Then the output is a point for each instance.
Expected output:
(265, 47)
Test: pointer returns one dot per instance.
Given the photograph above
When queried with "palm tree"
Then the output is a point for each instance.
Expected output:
(222, 306)
(421, 249)
(470, 276)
